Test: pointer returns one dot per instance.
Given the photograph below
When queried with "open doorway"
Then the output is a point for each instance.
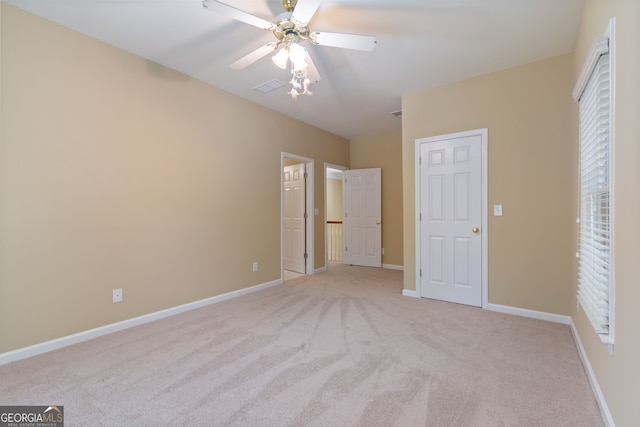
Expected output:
(353, 227)
(296, 216)
(334, 246)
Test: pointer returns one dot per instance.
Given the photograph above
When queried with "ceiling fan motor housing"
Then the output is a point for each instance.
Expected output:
(288, 30)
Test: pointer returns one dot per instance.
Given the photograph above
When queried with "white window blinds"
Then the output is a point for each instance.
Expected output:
(595, 265)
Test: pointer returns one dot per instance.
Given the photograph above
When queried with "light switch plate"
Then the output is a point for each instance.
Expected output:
(497, 210)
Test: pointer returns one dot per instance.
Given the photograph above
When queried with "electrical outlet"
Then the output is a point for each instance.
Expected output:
(117, 295)
(255, 267)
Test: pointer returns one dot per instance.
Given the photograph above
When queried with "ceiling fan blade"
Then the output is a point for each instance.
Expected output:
(312, 71)
(252, 57)
(348, 41)
(304, 10)
(237, 14)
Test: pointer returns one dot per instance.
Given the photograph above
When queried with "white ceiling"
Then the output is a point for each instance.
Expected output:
(421, 44)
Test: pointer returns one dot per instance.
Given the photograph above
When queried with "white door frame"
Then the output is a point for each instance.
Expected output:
(328, 166)
(309, 208)
(483, 133)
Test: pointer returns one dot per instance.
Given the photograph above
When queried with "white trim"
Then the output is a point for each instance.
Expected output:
(485, 217)
(602, 403)
(599, 47)
(309, 169)
(611, 32)
(320, 270)
(44, 347)
(533, 314)
(416, 215)
(393, 267)
(410, 293)
(484, 138)
(333, 172)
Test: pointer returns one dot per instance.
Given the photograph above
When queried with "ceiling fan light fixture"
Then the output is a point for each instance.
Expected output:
(281, 58)
(291, 28)
(297, 55)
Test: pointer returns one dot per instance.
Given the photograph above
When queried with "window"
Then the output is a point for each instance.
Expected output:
(594, 93)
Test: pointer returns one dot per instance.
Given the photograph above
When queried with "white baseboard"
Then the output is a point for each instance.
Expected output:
(410, 293)
(320, 270)
(602, 403)
(523, 312)
(44, 347)
(393, 267)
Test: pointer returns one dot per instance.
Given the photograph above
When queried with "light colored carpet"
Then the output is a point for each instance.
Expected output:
(290, 275)
(342, 348)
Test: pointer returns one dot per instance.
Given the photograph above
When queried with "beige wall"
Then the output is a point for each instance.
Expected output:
(385, 152)
(334, 199)
(527, 111)
(118, 173)
(619, 374)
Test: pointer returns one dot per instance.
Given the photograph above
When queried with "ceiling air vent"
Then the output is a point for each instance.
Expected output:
(269, 86)
(398, 113)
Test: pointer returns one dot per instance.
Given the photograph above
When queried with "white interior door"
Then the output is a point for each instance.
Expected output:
(294, 218)
(450, 219)
(362, 219)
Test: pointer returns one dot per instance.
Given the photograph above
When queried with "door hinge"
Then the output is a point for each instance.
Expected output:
(346, 249)
(306, 255)
(306, 215)
(419, 160)
(306, 175)
(420, 272)
(420, 217)
(346, 214)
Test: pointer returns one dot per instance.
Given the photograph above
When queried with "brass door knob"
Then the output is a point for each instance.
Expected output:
(475, 230)
(378, 222)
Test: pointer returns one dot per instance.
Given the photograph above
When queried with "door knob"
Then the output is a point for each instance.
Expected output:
(378, 222)
(475, 230)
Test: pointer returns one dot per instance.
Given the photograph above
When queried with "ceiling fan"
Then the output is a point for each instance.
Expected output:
(291, 28)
